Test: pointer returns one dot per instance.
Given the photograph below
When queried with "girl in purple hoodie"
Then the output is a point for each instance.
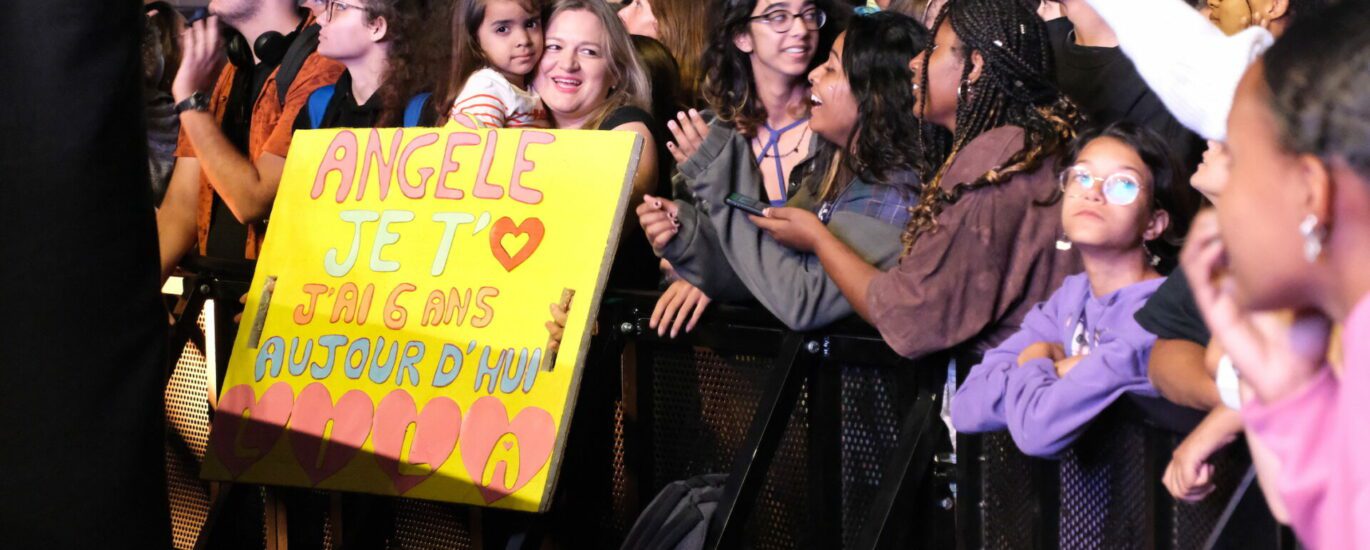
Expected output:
(1081, 349)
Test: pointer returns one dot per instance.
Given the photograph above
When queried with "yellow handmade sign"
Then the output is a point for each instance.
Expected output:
(394, 337)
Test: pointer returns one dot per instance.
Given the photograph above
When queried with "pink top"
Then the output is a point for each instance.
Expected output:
(1322, 440)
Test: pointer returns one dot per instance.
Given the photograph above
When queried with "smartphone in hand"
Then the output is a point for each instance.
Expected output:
(746, 204)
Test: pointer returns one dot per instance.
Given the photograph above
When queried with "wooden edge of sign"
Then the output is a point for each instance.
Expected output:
(573, 394)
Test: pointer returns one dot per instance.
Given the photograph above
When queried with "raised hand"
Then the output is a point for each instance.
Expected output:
(689, 130)
(202, 54)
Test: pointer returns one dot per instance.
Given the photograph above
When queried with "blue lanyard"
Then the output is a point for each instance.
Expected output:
(773, 144)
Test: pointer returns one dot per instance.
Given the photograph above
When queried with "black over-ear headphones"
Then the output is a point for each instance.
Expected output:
(270, 47)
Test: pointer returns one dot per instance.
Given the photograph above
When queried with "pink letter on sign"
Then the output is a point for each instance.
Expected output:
(432, 436)
(346, 143)
(522, 165)
(449, 166)
(384, 168)
(415, 191)
(246, 426)
(503, 456)
(322, 451)
(484, 189)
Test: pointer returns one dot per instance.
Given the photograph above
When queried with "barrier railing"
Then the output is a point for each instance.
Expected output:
(830, 439)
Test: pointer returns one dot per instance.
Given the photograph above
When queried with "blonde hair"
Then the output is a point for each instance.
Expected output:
(631, 86)
(685, 26)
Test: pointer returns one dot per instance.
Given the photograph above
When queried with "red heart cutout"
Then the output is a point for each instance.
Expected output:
(487, 427)
(351, 419)
(505, 226)
(245, 427)
(435, 436)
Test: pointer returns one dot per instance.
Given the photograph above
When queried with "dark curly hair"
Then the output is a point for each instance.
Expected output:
(729, 85)
(1015, 87)
(165, 49)
(1169, 190)
(876, 60)
(411, 63)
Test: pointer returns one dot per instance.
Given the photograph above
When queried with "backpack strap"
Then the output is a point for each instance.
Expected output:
(300, 50)
(414, 110)
(318, 104)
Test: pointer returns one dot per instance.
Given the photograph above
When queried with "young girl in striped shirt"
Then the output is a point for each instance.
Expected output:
(496, 44)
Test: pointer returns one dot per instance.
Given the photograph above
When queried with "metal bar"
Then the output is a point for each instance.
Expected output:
(825, 452)
(638, 425)
(911, 462)
(763, 439)
(185, 327)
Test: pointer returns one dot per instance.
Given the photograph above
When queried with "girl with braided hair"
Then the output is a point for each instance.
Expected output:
(981, 247)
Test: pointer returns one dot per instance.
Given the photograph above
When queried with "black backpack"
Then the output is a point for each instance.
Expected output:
(678, 518)
(294, 58)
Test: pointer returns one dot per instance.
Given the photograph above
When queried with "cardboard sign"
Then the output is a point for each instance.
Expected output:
(394, 337)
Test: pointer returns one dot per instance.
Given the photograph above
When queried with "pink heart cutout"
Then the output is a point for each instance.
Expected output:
(435, 436)
(351, 418)
(487, 426)
(240, 442)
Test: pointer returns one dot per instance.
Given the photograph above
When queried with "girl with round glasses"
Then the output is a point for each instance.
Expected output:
(756, 84)
(1081, 349)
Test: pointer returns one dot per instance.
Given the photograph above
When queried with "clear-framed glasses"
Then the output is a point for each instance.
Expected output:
(782, 21)
(1120, 188)
(335, 7)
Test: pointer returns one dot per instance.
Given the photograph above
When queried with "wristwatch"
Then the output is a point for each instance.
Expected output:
(196, 102)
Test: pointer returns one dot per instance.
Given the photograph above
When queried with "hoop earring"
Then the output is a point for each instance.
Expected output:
(1313, 236)
(961, 90)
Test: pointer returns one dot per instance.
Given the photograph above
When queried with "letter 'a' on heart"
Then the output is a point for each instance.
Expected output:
(503, 456)
(532, 227)
(246, 427)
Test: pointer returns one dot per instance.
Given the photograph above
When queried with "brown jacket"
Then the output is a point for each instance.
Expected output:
(992, 256)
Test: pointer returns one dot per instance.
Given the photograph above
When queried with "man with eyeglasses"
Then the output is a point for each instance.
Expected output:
(236, 128)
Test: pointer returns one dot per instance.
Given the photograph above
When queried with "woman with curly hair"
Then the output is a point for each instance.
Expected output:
(981, 246)
(755, 69)
(381, 44)
(860, 183)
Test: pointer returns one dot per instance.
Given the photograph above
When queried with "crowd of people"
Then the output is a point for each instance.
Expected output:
(1096, 197)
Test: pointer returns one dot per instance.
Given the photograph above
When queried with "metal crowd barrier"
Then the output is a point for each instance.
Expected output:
(1106, 491)
(830, 439)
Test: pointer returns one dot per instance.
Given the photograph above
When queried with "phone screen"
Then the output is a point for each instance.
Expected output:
(746, 204)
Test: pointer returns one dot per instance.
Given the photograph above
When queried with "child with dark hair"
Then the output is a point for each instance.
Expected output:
(980, 248)
(1293, 234)
(496, 46)
(1080, 350)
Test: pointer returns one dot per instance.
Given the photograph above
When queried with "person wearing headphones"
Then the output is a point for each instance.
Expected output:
(236, 128)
